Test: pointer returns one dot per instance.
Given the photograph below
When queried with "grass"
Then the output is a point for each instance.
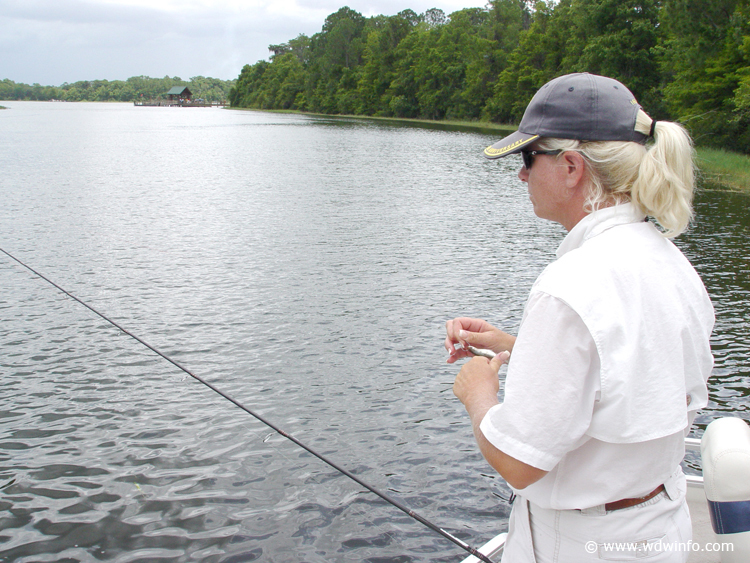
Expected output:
(484, 126)
(728, 169)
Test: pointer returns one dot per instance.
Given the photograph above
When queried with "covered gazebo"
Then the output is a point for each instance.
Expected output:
(179, 93)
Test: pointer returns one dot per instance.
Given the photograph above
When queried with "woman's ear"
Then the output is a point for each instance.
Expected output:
(575, 168)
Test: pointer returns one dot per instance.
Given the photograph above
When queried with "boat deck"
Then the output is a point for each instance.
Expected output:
(703, 533)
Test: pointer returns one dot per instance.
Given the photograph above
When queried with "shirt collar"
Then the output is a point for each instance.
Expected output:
(597, 222)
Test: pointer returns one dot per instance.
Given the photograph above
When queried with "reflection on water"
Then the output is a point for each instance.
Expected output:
(717, 246)
(304, 265)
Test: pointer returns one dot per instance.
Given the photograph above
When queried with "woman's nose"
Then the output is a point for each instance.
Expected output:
(523, 174)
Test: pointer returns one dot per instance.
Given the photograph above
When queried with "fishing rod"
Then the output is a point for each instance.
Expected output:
(463, 545)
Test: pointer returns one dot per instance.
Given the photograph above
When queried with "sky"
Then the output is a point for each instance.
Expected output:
(50, 42)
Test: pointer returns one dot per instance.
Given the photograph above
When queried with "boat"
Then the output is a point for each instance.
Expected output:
(719, 499)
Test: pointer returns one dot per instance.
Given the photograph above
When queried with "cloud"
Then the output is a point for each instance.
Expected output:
(55, 41)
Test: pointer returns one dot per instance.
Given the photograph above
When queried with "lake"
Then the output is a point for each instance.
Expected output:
(304, 265)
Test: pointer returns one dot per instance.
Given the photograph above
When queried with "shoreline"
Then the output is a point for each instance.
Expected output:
(729, 170)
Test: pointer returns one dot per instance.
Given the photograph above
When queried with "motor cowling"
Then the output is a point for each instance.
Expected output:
(725, 454)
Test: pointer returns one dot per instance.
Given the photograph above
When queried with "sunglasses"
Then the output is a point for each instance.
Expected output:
(528, 156)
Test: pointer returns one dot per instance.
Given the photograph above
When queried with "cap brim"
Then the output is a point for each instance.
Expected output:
(511, 144)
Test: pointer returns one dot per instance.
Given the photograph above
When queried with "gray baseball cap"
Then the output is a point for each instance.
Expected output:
(578, 106)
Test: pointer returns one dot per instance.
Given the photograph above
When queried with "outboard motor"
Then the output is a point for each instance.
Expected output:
(725, 452)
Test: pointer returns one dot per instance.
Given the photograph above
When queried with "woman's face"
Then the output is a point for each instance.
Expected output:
(541, 182)
(551, 192)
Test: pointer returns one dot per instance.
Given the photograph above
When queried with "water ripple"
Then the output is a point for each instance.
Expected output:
(313, 291)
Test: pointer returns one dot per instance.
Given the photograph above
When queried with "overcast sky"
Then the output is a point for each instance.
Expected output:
(54, 41)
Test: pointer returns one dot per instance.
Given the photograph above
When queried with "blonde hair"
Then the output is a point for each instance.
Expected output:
(659, 179)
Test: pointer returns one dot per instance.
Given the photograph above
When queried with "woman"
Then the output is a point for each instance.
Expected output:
(612, 355)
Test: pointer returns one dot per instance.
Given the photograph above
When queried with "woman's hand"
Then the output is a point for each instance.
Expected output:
(477, 384)
(476, 332)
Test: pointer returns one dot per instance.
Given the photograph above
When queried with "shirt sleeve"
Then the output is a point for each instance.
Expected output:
(551, 387)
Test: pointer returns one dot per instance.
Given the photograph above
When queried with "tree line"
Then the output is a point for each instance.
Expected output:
(132, 89)
(685, 60)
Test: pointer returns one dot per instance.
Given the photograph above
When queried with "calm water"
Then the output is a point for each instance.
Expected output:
(304, 265)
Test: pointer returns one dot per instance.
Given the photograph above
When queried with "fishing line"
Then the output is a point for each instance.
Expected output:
(466, 547)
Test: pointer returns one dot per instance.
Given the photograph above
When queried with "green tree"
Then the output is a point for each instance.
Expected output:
(433, 70)
(536, 59)
(383, 36)
(247, 89)
(704, 59)
(401, 95)
(335, 54)
(616, 38)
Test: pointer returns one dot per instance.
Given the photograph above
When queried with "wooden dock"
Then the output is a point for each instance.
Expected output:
(179, 103)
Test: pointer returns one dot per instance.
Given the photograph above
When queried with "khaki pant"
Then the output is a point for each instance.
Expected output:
(656, 531)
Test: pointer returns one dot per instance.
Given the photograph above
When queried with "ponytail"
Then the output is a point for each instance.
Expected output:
(658, 179)
(666, 178)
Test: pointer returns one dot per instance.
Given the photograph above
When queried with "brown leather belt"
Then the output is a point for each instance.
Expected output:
(628, 502)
